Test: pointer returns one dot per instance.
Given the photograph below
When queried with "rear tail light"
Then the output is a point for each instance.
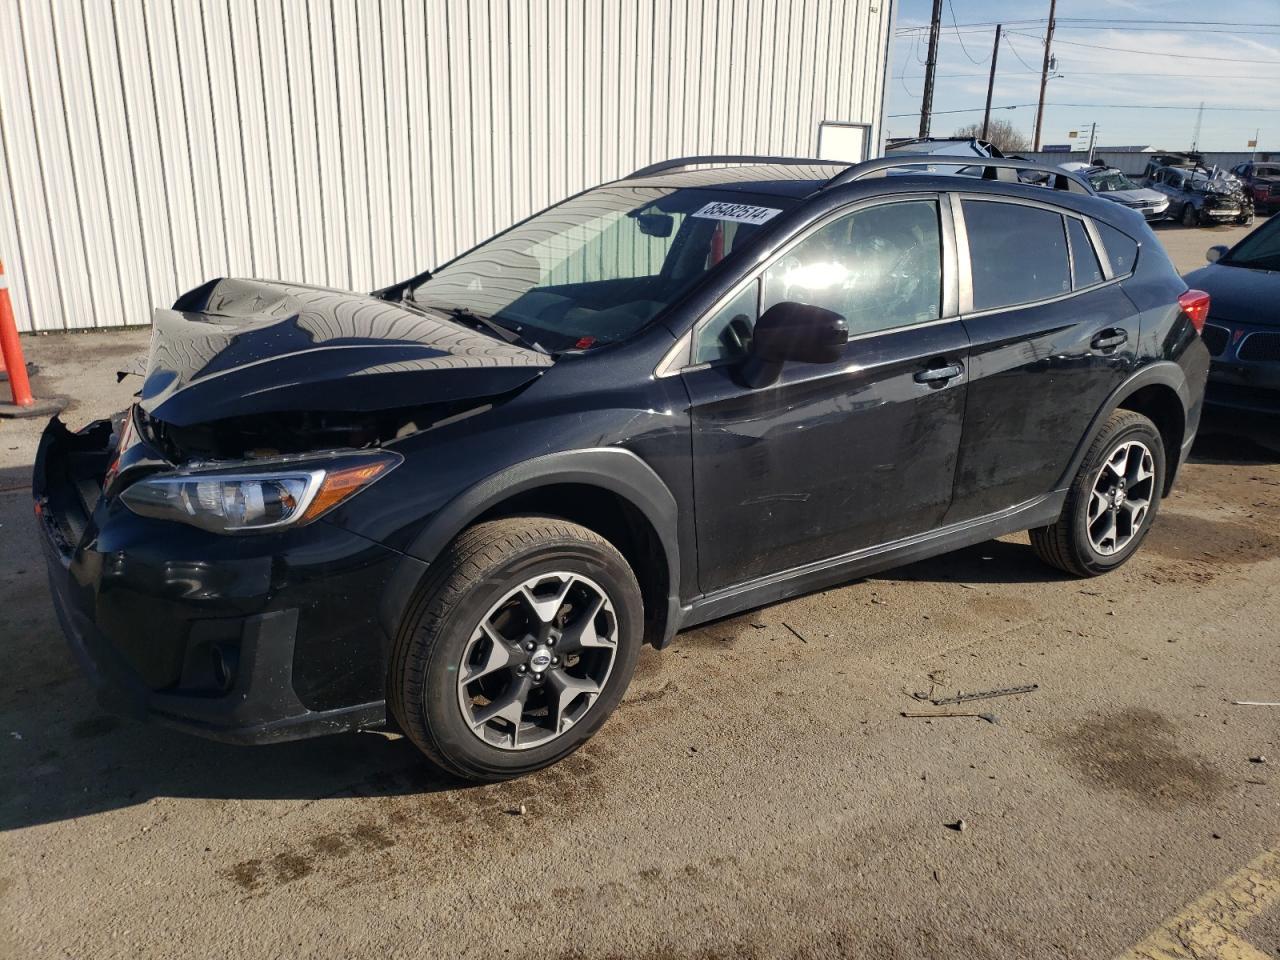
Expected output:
(1195, 304)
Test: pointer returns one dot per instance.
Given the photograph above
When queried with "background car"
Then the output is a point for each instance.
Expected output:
(1113, 185)
(1199, 195)
(1243, 328)
(1262, 180)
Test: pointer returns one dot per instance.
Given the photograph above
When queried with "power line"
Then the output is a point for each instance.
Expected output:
(1104, 106)
(1105, 23)
(952, 11)
(1149, 53)
(1010, 44)
(1111, 73)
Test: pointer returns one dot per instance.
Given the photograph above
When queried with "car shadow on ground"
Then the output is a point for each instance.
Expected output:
(1222, 442)
(80, 761)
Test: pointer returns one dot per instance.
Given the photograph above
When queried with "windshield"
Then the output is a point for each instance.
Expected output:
(1260, 250)
(1111, 181)
(600, 266)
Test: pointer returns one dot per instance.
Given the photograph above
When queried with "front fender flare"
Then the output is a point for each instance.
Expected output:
(614, 469)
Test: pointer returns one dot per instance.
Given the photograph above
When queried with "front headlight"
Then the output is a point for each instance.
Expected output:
(257, 495)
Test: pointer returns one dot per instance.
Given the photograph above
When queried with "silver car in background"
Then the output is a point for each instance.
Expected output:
(1111, 184)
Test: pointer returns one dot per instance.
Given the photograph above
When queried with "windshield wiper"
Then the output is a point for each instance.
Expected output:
(463, 315)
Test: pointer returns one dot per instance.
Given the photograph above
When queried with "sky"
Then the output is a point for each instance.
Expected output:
(1166, 57)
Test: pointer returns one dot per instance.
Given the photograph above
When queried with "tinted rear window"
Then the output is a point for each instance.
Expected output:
(1019, 253)
(1122, 249)
(1085, 269)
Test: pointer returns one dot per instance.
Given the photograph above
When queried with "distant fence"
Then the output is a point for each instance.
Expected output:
(1135, 163)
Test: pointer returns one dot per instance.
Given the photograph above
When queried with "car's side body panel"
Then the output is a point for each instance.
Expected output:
(802, 470)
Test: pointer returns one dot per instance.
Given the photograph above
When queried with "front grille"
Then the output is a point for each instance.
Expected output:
(1260, 347)
(1215, 338)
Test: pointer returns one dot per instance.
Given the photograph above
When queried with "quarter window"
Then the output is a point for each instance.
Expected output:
(1085, 269)
(1122, 249)
(879, 267)
(1018, 253)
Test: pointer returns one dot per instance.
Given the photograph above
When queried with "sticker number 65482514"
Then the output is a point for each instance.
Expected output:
(739, 212)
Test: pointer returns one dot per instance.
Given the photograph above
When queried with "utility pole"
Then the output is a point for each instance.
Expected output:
(1093, 137)
(991, 83)
(1044, 73)
(1195, 135)
(926, 102)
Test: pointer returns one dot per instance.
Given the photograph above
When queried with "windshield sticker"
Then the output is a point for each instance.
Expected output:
(738, 212)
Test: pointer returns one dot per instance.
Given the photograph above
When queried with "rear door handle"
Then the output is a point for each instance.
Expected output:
(939, 374)
(1109, 339)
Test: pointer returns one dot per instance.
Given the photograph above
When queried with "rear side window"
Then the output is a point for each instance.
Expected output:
(1018, 253)
(1085, 269)
(1122, 249)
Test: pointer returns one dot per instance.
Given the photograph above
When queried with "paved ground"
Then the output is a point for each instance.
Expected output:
(756, 795)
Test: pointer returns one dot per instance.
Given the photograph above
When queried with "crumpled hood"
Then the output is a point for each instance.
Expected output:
(241, 347)
(1239, 294)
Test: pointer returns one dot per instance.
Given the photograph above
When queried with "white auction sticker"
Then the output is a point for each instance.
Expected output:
(738, 212)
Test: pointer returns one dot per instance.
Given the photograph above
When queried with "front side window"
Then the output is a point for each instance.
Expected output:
(1018, 253)
(598, 267)
(1260, 250)
(879, 268)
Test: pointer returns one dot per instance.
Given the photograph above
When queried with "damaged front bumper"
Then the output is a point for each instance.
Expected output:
(249, 639)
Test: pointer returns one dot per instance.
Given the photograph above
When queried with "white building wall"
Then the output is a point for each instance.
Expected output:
(149, 145)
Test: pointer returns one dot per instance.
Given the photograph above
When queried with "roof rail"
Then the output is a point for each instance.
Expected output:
(994, 168)
(679, 163)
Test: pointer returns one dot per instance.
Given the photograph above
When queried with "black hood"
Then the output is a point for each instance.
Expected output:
(242, 347)
(1239, 294)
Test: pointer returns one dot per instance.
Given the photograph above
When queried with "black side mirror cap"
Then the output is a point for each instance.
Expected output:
(799, 331)
(793, 331)
(1216, 252)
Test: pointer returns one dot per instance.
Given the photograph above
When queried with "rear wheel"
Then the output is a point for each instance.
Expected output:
(522, 642)
(1111, 502)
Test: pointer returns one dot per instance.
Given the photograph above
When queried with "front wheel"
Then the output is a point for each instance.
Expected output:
(1111, 502)
(1190, 218)
(521, 644)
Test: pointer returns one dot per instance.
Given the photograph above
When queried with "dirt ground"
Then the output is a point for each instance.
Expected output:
(757, 795)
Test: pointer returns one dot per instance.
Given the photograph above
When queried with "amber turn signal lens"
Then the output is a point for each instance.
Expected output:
(342, 483)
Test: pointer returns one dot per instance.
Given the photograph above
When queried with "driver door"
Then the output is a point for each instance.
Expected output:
(832, 458)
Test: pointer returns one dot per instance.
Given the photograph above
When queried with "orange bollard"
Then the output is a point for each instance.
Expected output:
(24, 404)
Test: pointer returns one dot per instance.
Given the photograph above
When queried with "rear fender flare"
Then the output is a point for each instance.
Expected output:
(1164, 372)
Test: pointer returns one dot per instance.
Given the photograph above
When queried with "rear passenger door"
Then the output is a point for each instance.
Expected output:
(1051, 335)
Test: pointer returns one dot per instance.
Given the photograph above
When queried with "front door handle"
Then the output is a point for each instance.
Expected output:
(1109, 339)
(939, 374)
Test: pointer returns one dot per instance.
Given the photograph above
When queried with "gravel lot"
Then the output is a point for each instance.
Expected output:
(755, 796)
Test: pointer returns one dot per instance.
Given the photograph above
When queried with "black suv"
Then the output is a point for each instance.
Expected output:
(460, 505)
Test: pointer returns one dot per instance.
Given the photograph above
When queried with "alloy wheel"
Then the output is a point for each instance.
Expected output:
(538, 661)
(1120, 501)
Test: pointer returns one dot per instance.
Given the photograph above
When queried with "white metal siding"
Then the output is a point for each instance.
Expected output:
(149, 145)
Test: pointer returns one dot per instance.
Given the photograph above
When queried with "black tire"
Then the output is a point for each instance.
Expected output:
(1066, 544)
(1190, 217)
(474, 572)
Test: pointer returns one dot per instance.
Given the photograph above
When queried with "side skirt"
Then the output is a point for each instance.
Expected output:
(859, 563)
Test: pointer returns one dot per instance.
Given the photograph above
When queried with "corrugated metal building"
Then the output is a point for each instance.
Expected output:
(149, 145)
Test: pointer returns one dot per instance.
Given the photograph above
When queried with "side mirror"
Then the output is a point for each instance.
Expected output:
(1216, 252)
(793, 331)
